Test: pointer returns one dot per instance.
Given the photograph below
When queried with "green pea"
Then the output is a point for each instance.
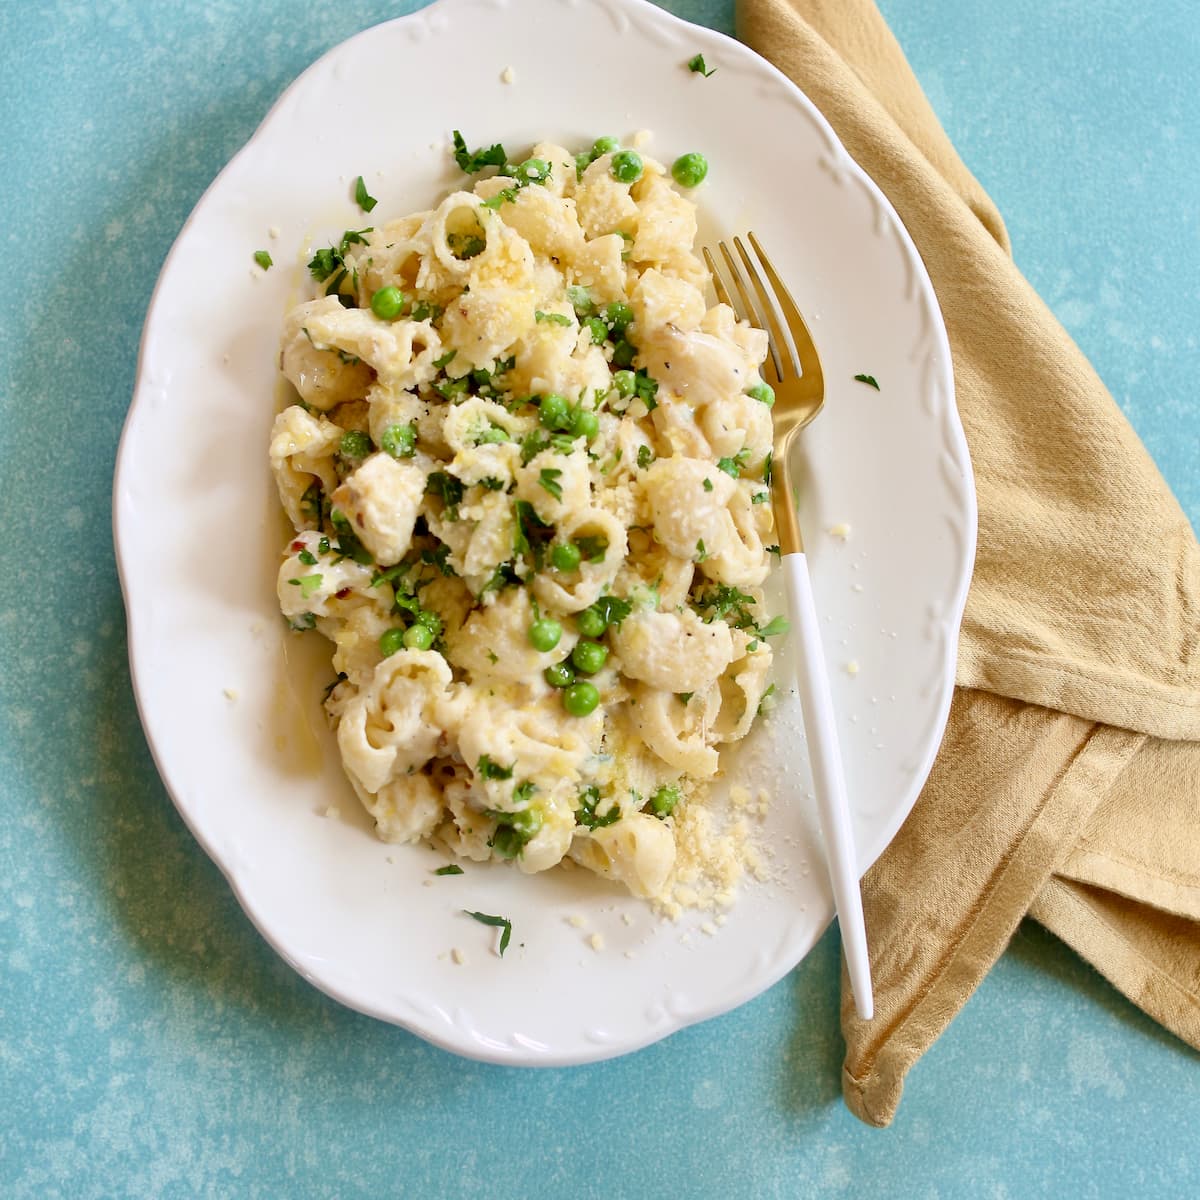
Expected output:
(532, 170)
(493, 434)
(689, 170)
(399, 441)
(763, 392)
(604, 145)
(623, 353)
(430, 620)
(663, 802)
(597, 329)
(565, 556)
(391, 641)
(626, 166)
(589, 657)
(554, 411)
(560, 675)
(387, 303)
(582, 162)
(625, 382)
(580, 699)
(584, 423)
(418, 637)
(617, 316)
(590, 623)
(355, 444)
(544, 634)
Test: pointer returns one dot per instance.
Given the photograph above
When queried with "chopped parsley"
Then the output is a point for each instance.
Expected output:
(581, 300)
(504, 196)
(684, 697)
(449, 489)
(612, 611)
(733, 466)
(494, 156)
(491, 483)
(263, 259)
(548, 477)
(774, 627)
(725, 603)
(492, 770)
(593, 547)
(307, 584)
(645, 388)
(869, 380)
(501, 923)
(331, 259)
(766, 699)
(307, 558)
(701, 553)
(760, 497)
(551, 318)
(362, 197)
(523, 792)
(445, 359)
(767, 467)
(348, 544)
(586, 814)
(531, 533)
(708, 485)
(645, 456)
(465, 245)
(775, 551)
(450, 869)
(697, 65)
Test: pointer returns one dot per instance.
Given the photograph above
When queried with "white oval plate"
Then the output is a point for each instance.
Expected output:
(237, 732)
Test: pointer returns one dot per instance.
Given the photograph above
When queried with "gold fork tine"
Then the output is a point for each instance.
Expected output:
(718, 282)
(766, 305)
(806, 350)
(762, 315)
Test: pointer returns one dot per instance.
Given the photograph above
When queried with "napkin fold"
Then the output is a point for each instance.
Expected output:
(1067, 786)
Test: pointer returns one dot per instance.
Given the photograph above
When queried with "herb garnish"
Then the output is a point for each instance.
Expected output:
(494, 156)
(502, 923)
(701, 553)
(697, 65)
(449, 489)
(774, 627)
(548, 477)
(869, 380)
(551, 318)
(450, 869)
(263, 259)
(593, 547)
(362, 197)
(645, 456)
(492, 770)
(586, 814)
(531, 533)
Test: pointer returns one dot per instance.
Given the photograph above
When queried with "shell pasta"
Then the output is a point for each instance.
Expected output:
(528, 470)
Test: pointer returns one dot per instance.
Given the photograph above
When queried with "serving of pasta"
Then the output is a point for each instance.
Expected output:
(527, 467)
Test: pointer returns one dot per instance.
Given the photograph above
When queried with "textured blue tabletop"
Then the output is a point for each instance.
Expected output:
(151, 1044)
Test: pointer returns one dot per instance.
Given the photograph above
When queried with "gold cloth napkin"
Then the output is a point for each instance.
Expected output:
(1068, 782)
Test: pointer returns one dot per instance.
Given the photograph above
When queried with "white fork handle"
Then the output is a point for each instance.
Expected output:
(816, 703)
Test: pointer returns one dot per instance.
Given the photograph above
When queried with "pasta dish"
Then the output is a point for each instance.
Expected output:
(527, 466)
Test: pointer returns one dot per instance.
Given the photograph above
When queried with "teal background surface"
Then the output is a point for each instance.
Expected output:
(152, 1045)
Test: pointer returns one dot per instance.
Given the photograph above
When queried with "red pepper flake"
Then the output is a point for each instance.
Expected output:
(297, 546)
(342, 594)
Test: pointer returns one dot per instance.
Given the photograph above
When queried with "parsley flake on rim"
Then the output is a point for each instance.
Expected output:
(362, 197)
(450, 869)
(494, 156)
(501, 923)
(697, 65)
(869, 380)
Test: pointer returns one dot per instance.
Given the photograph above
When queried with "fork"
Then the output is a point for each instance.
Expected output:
(799, 395)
